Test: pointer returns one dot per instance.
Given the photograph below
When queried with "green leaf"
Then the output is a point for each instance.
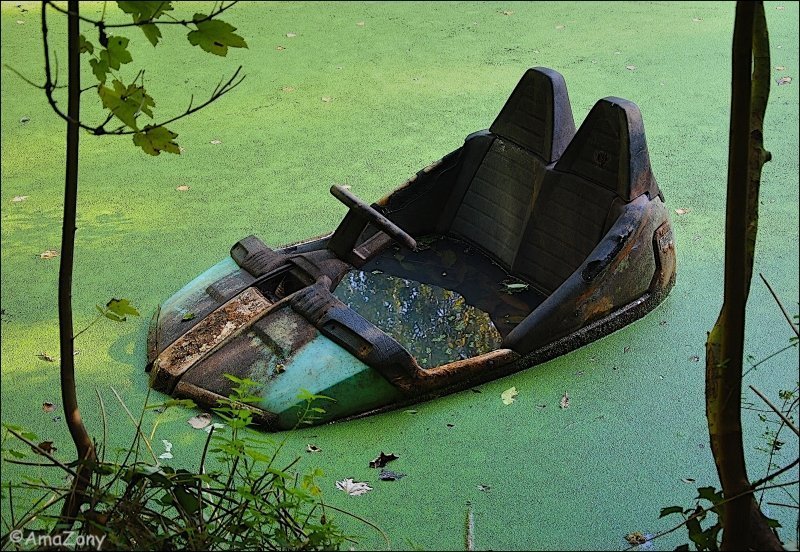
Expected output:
(670, 510)
(100, 69)
(126, 102)
(155, 139)
(145, 11)
(188, 316)
(710, 494)
(84, 45)
(187, 500)
(773, 522)
(152, 32)
(682, 547)
(122, 307)
(214, 36)
(116, 52)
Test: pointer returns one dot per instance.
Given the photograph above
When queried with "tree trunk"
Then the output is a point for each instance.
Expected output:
(81, 438)
(744, 527)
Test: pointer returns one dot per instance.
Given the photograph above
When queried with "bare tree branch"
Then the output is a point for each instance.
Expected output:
(786, 420)
(184, 22)
(783, 309)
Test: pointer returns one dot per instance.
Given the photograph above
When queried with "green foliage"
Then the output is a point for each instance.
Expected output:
(214, 36)
(127, 102)
(145, 12)
(117, 310)
(155, 139)
(248, 502)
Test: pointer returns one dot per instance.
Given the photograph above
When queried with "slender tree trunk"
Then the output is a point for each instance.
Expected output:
(744, 527)
(81, 438)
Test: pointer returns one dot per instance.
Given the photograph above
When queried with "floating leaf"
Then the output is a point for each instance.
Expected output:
(48, 407)
(636, 538)
(688, 479)
(779, 8)
(45, 357)
(780, 68)
(630, 67)
(389, 475)
(24, 120)
(484, 488)
(564, 403)
(188, 316)
(183, 188)
(200, 421)
(353, 488)
(155, 139)
(18, 199)
(43, 448)
(290, 35)
(509, 395)
(508, 12)
(167, 450)
(280, 48)
(681, 211)
(559, 27)
(694, 358)
(513, 287)
(360, 24)
(313, 448)
(213, 427)
(412, 411)
(697, 19)
(49, 254)
(288, 89)
(382, 460)
(214, 36)
(784, 80)
(326, 99)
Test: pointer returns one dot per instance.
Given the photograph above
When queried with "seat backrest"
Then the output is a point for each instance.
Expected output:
(495, 200)
(604, 167)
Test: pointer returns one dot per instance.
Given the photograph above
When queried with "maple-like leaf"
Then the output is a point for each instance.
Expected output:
(382, 460)
(127, 102)
(116, 53)
(353, 488)
(214, 36)
(509, 395)
(200, 421)
(155, 139)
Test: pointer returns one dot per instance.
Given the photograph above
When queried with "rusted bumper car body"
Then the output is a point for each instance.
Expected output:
(525, 243)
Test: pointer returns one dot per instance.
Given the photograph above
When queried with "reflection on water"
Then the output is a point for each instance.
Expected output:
(436, 325)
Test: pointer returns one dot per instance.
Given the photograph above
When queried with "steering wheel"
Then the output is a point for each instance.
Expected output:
(374, 217)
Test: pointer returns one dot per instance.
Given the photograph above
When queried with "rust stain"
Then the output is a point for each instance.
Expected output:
(208, 335)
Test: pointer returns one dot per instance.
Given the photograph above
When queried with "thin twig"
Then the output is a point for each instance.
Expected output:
(775, 409)
(44, 453)
(793, 506)
(470, 528)
(773, 475)
(783, 309)
(143, 22)
(137, 425)
(362, 520)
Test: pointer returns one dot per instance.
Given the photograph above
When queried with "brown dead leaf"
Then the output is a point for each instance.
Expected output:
(200, 421)
(18, 199)
(45, 447)
(290, 35)
(389, 475)
(48, 407)
(780, 68)
(564, 403)
(484, 488)
(49, 254)
(215, 142)
(25, 120)
(784, 80)
(288, 89)
(360, 24)
(688, 479)
(630, 67)
(559, 27)
(280, 48)
(779, 8)
(313, 448)
(694, 358)
(382, 460)
(326, 99)
(697, 19)
(626, 349)
(20, 22)
(183, 188)
(45, 357)
(508, 12)
(636, 538)
(681, 211)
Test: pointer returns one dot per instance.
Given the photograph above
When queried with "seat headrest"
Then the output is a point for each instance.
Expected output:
(610, 150)
(537, 115)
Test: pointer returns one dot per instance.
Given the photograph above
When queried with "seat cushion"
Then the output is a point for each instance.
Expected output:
(496, 206)
(568, 221)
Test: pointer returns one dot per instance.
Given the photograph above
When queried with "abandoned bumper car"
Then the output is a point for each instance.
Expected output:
(525, 243)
